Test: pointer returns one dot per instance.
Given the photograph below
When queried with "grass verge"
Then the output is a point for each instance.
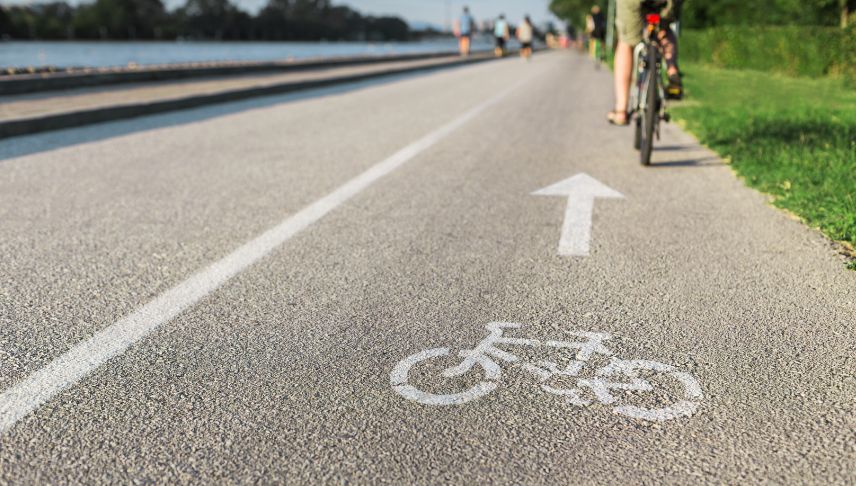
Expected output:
(796, 50)
(793, 138)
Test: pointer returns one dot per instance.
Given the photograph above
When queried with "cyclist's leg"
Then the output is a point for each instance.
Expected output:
(670, 49)
(669, 42)
(465, 45)
(628, 23)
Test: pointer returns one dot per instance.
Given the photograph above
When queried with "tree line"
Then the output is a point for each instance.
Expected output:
(309, 20)
(699, 14)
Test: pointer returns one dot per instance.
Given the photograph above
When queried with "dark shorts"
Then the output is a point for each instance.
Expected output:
(526, 45)
(500, 42)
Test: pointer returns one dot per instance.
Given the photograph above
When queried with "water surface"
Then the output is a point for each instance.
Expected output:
(110, 53)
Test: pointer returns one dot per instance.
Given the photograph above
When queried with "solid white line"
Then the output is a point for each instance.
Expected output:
(84, 358)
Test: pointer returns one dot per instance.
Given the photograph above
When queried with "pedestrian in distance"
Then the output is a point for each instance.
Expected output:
(525, 34)
(502, 33)
(464, 32)
(596, 30)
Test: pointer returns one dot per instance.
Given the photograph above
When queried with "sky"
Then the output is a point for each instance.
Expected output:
(414, 11)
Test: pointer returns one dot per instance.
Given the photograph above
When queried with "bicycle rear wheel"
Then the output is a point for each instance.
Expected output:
(651, 111)
(637, 137)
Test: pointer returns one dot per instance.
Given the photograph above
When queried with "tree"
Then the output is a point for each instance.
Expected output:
(293, 19)
(16, 22)
(197, 19)
(53, 21)
(120, 19)
(387, 28)
(41, 21)
(213, 19)
(575, 11)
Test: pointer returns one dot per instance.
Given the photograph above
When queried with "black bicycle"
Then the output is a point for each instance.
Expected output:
(648, 98)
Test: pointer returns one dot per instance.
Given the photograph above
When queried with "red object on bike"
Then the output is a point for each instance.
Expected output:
(653, 19)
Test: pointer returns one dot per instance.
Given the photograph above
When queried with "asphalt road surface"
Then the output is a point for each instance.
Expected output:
(270, 291)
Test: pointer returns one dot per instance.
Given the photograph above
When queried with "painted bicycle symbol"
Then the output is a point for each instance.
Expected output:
(615, 377)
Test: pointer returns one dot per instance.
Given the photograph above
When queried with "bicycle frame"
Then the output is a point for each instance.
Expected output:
(638, 96)
(648, 98)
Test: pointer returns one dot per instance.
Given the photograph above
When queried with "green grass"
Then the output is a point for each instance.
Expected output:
(793, 138)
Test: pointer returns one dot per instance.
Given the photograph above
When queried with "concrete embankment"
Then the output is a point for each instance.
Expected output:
(24, 114)
(52, 80)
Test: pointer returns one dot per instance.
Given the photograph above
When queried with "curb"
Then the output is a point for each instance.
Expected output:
(36, 83)
(28, 126)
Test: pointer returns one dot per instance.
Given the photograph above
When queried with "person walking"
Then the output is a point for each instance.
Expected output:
(596, 30)
(502, 34)
(525, 34)
(464, 31)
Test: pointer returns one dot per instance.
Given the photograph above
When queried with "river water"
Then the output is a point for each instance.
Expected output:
(108, 54)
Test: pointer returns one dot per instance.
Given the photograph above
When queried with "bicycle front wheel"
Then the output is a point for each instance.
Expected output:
(400, 377)
(650, 112)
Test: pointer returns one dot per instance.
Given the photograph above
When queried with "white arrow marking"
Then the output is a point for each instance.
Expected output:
(581, 191)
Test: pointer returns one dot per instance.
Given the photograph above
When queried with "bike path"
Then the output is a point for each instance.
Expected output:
(283, 373)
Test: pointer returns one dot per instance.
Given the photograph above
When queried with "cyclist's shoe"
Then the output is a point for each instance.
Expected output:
(618, 118)
(675, 90)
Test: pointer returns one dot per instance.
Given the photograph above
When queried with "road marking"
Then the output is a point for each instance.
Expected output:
(607, 384)
(581, 191)
(87, 356)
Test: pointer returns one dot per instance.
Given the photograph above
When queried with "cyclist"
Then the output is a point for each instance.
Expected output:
(630, 23)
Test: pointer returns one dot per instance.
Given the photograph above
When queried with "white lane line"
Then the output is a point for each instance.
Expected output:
(84, 358)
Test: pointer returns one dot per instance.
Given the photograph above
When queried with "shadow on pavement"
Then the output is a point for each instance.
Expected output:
(42, 142)
(674, 148)
(709, 161)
